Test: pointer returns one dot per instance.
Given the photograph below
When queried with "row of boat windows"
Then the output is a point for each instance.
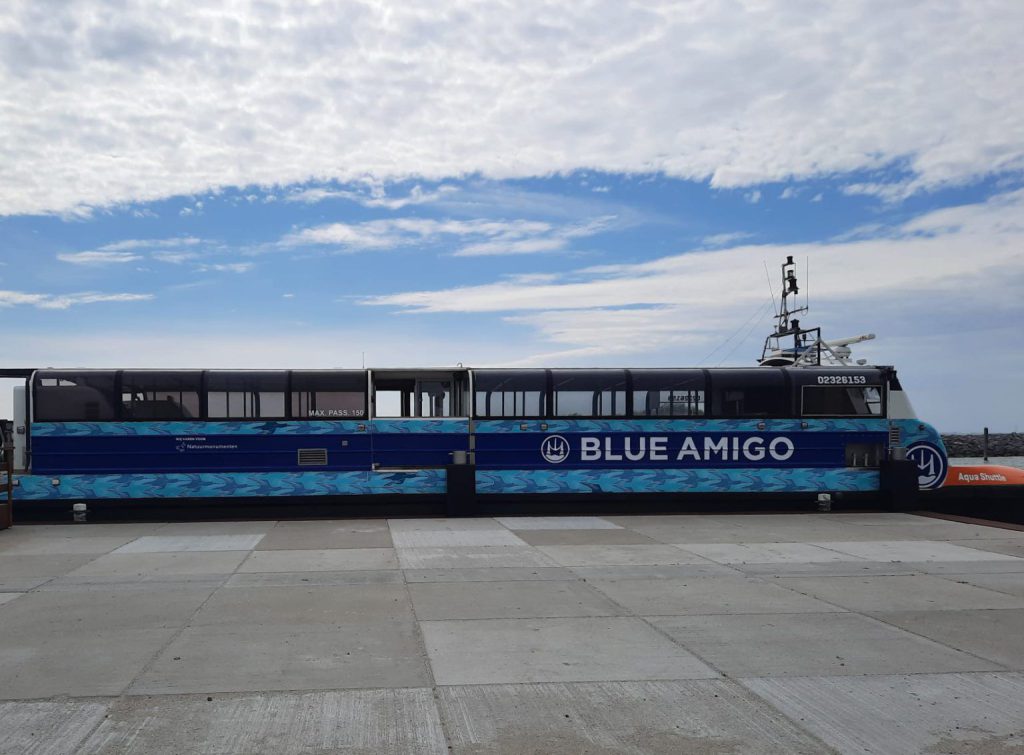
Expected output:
(151, 395)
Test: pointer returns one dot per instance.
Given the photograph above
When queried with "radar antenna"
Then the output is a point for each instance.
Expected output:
(791, 344)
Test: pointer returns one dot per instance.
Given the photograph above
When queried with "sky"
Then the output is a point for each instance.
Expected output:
(332, 184)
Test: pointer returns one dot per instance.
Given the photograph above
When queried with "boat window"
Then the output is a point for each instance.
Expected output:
(842, 401)
(757, 393)
(160, 395)
(588, 393)
(510, 393)
(329, 394)
(74, 397)
(425, 394)
(668, 393)
(246, 395)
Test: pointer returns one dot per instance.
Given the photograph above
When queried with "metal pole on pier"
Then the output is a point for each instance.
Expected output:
(984, 444)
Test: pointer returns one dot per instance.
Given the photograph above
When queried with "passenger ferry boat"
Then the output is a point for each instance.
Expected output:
(806, 422)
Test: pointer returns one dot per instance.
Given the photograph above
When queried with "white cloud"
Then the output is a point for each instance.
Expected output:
(471, 238)
(961, 257)
(98, 258)
(725, 239)
(64, 301)
(131, 250)
(227, 267)
(174, 258)
(376, 197)
(133, 244)
(107, 103)
(753, 197)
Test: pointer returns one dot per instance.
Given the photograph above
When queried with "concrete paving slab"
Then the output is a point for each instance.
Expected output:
(494, 574)
(356, 721)
(307, 578)
(310, 608)
(851, 568)
(127, 530)
(7, 597)
(968, 567)
(449, 538)
(707, 595)
(354, 525)
(619, 555)
(326, 535)
(941, 530)
(665, 571)
(44, 614)
(43, 566)
(911, 550)
(765, 553)
(995, 635)
(78, 664)
(39, 545)
(508, 600)
(340, 559)
(673, 534)
(882, 519)
(709, 716)
(585, 537)
(491, 556)
(22, 584)
(189, 529)
(184, 543)
(518, 523)
(160, 564)
(965, 714)
(48, 728)
(812, 644)
(921, 592)
(365, 655)
(500, 651)
(458, 524)
(1005, 546)
(1011, 583)
(134, 583)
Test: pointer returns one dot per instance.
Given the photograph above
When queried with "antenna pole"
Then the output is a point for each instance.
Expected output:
(770, 291)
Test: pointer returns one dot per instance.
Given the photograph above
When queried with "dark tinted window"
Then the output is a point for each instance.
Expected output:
(329, 395)
(668, 393)
(246, 395)
(754, 393)
(510, 393)
(588, 393)
(74, 397)
(842, 401)
(160, 395)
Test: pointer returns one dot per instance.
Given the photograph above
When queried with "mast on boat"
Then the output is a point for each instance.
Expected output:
(792, 345)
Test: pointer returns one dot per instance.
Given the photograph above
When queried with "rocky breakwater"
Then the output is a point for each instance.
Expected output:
(999, 444)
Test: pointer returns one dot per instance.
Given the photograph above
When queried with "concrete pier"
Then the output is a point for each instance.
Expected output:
(804, 633)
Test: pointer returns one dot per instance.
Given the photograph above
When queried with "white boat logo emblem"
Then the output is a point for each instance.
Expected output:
(554, 449)
(931, 465)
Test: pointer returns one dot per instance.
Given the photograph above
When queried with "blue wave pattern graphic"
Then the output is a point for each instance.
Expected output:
(93, 429)
(677, 481)
(227, 485)
(683, 425)
(914, 431)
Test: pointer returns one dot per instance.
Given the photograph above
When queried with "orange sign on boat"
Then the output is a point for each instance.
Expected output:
(983, 475)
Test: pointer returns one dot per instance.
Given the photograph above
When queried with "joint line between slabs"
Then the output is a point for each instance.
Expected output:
(426, 660)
